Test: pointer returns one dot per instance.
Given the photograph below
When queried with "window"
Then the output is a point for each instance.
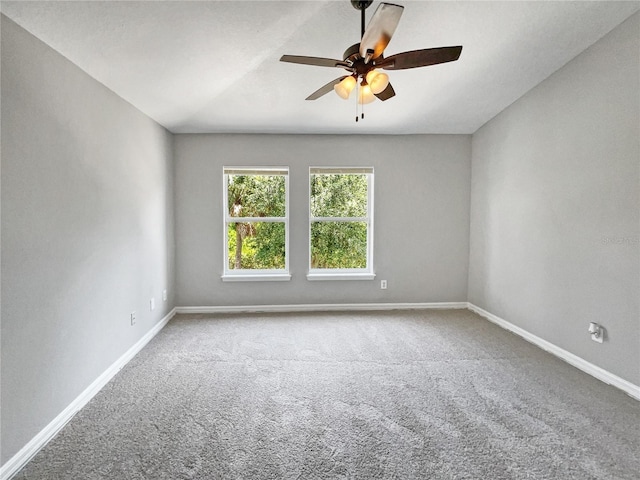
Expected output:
(256, 223)
(340, 223)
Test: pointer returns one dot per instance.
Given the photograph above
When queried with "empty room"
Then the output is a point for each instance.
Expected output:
(320, 240)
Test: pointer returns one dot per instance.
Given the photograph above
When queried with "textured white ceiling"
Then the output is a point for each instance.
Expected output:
(212, 66)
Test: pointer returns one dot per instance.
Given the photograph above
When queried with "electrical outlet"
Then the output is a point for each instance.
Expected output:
(383, 284)
(164, 295)
(152, 304)
(133, 318)
(597, 332)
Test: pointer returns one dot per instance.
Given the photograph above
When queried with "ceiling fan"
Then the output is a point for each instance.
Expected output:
(363, 59)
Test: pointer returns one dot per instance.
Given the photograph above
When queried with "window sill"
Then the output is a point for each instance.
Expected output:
(268, 277)
(340, 276)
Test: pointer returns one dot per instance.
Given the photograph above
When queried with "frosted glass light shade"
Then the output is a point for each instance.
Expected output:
(344, 88)
(365, 95)
(378, 81)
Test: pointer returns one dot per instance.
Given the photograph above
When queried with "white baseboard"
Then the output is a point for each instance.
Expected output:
(578, 362)
(324, 307)
(20, 459)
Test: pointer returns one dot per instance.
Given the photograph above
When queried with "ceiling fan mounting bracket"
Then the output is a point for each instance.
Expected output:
(361, 5)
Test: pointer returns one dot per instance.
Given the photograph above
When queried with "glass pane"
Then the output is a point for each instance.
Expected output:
(339, 195)
(256, 195)
(256, 246)
(338, 245)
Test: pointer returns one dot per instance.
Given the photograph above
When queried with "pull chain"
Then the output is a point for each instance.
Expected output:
(359, 115)
(357, 88)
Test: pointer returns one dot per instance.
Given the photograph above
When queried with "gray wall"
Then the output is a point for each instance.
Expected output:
(421, 216)
(87, 231)
(555, 206)
(88, 219)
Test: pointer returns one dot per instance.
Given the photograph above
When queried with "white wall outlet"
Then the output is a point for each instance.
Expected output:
(597, 332)
(164, 295)
(383, 284)
(133, 318)
(152, 304)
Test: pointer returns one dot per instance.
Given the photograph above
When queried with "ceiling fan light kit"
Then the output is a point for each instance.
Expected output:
(365, 95)
(345, 87)
(363, 59)
(378, 81)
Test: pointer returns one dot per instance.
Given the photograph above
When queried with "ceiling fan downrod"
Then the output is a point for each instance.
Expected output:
(362, 6)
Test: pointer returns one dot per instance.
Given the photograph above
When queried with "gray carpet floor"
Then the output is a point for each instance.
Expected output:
(367, 395)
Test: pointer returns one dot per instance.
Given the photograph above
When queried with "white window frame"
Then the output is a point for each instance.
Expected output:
(366, 273)
(248, 275)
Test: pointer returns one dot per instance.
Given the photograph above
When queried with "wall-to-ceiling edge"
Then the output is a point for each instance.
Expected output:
(421, 216)
(555, 207)
(87, 236)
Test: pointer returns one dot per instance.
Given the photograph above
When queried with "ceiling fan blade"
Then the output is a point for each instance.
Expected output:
(380, 30)
(387, 93)
(325, 88)
(421, 58)
(317, 61)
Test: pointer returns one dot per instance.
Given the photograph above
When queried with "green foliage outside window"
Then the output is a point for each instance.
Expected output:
(256, 245)
(338, 195)
(339, 244)
(263, 245)
(260, 245)
(256, 195)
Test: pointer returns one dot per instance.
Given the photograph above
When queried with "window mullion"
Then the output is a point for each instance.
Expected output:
(230, 219)
(340, 219)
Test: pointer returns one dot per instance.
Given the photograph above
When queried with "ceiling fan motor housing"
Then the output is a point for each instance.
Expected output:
(351, 53)
(358, 65)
